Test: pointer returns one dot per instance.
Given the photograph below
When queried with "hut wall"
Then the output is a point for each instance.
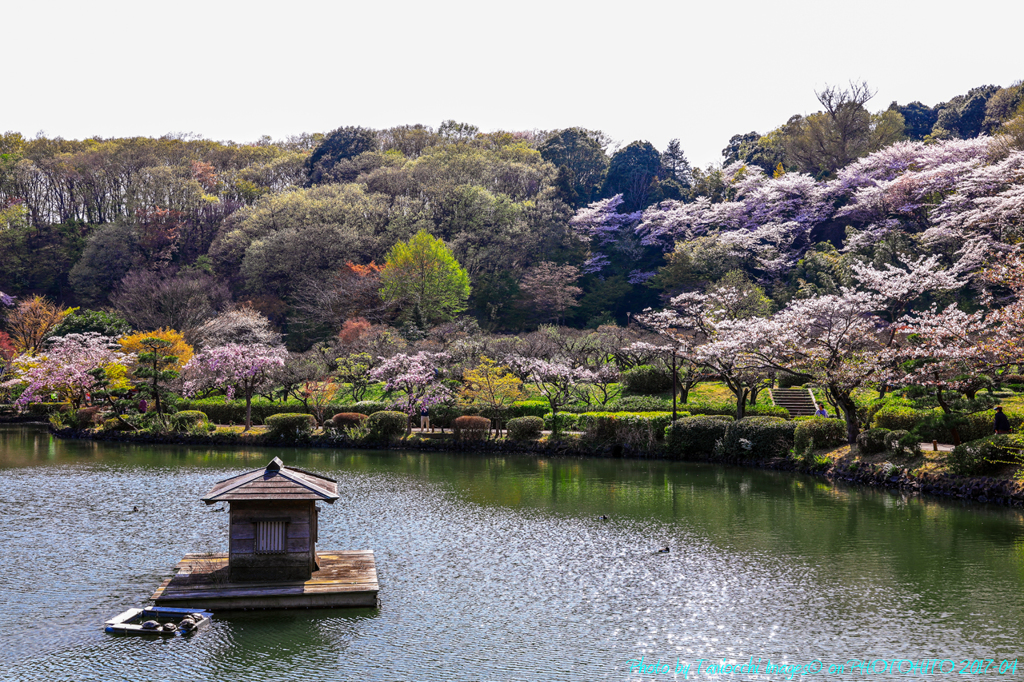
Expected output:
(296, 559)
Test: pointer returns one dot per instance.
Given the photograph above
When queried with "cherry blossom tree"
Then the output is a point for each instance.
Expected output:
(555, 379)
(944, 352)
(246, 369)
(64, 368)
(832, 340)
(416, 378)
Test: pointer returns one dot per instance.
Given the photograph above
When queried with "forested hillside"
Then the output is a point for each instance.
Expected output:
(556, 226)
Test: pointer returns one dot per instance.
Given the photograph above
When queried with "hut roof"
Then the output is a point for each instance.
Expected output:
(275, 482)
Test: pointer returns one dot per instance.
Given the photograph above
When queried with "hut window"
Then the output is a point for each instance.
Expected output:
(270, 538)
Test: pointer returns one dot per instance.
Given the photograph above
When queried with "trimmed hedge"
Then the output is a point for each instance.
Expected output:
(220, 411)
(291, 424)
(43, 409)
(625, 428)
(694, 437)
(729, 409)
(344, 420)
(641, 403)
(757, 438)
(525, 428)
(471, 428)
(88, 416)
(825, 432)
(387, 424)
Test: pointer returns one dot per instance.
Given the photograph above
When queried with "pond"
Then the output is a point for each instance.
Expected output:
(500, 568)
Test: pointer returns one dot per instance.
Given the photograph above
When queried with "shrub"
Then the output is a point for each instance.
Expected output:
(695, 436)
(758, 438)
(635, 429)
(88, 416)
(825, 432)
(897, 417)
(529, 408)
(291, 425)
(44, 409)
(344, 420)
(442, 416)
(525, 428)
(471, 428)
(641, 403)
(115, 424)
(985, 454)
(902, 443)
(181, 421)
(647, 380)
(872, 441)
(385, 425)
(567, 421)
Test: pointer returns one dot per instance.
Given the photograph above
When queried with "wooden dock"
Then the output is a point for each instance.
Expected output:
(344, 579)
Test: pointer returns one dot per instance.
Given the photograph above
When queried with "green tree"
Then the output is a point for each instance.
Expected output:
(579, 156)
(156, 371)
(423, 272)
(632, 173)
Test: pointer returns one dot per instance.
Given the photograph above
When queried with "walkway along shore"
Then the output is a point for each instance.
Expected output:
(984, 489)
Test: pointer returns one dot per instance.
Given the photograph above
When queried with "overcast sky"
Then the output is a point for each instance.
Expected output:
(699, 71)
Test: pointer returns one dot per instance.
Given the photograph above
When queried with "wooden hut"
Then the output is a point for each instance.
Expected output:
(272, 561)
(273, 521)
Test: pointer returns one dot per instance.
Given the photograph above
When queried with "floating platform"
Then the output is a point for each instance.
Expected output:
(344, 579)
(176, 622)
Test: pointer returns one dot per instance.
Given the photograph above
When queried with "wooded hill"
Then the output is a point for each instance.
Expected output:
(551, 226)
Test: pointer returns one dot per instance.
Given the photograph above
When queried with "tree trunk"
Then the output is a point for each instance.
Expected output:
(741, 403)
(849, 409)
(248, 411)
(953, 430)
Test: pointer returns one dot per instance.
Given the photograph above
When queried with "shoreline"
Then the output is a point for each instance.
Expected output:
(979, 489)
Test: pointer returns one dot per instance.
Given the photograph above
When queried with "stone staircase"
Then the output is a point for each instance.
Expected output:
(799, 401)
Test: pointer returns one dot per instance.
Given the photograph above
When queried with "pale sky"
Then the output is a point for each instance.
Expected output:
(699, 71)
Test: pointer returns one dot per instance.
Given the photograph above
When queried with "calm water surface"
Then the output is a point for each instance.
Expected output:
(497, 568)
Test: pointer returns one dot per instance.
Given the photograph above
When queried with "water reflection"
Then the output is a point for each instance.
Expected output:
(500, 567)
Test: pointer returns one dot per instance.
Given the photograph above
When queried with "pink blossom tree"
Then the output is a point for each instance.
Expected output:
(246, 369)
(64, 368)
(416, 379)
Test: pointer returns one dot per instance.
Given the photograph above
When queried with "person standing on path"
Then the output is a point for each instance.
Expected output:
(424, 418)
(1002, 423)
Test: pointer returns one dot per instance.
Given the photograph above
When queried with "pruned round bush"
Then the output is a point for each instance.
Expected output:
(825, 432)
(471, 428)
(525, 428)
(186, 418)
(897, 417)
(647, 379)
(88, 416)
(872, 441)
(387, 424)
(758, 438)
(902, 443)
(344, 420)
(291, 424)
(635, 429)
(694, 437)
